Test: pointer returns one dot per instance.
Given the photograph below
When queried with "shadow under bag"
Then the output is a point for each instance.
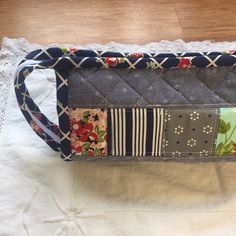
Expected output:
(136, 106)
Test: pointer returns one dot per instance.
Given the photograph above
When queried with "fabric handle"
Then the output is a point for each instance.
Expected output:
(42, 126)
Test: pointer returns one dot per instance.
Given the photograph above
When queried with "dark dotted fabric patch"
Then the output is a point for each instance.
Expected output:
(190, 132)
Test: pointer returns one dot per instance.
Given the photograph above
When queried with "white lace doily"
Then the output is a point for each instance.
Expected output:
(42, 195)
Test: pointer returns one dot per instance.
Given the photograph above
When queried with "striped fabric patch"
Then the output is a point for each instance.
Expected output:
(118, 132)
(135, 132)
(139, 132)
(158, 118)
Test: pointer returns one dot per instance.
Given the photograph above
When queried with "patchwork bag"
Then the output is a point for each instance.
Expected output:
(136, 106)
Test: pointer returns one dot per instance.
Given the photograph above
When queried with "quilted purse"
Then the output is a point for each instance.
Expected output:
(136, 106)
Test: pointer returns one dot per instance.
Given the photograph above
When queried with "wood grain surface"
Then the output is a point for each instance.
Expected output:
(134, 21)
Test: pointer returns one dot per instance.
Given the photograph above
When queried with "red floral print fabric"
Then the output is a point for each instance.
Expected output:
(184, 63)
(88, 132)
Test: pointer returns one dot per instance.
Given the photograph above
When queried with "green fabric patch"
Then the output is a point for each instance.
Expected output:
(226, 138)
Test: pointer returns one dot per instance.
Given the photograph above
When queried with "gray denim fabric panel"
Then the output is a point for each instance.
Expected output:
(103, 81)
(81, 92)
(221, 80)
(139, 81)
(160, 92)
(190, 132)
(94, 87)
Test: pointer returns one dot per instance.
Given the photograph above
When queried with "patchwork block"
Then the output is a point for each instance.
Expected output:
(88, 132)
(190, 132)
(152, 132)
(135, 132)
(226, 138)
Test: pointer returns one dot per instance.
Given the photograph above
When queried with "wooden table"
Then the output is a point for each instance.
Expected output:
(140, 21)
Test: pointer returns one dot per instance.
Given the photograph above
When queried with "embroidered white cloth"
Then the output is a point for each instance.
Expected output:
(42, 195)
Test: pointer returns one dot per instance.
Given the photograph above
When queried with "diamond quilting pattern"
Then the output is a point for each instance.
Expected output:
(123, 93)
(103, 81)
(196, 91)
(141, 80)
(89, 94)
(161, 92)
(227, 89)
(142, 87)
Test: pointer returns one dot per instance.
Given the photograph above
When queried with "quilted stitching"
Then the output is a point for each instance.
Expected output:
(142, 87)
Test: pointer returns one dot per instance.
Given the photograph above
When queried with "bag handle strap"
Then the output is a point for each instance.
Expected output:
(42, 126)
